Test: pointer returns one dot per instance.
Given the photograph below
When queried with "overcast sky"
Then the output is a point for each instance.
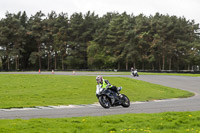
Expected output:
(190, 9)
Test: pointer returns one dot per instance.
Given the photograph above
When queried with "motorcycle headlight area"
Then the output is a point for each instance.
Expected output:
(99, 89)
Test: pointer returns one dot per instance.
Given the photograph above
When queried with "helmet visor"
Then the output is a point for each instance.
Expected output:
(98, 80)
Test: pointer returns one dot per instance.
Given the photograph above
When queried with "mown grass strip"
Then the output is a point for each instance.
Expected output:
(20, 90)
(170, 122)
(150, 73)
(171, 74)
(121, 73)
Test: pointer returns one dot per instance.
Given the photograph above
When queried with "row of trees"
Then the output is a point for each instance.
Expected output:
(113, 41)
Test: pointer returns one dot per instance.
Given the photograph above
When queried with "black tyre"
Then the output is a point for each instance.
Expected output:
(104, 101)
(125, 101)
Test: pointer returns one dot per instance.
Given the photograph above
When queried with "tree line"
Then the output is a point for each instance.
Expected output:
(88, 41)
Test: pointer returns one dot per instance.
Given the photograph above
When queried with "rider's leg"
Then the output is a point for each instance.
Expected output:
(116, 89)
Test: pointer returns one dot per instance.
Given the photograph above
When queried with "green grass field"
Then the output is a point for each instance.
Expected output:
(18, 90)
(170, 122)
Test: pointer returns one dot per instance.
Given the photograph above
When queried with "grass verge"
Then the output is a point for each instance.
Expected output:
(149, 73)
(18, 90)
(170, 122)
(171, 74)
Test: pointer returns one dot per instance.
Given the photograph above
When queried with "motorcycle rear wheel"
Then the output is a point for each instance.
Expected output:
(104, 101)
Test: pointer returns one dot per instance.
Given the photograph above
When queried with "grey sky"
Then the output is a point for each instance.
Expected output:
(190, 9)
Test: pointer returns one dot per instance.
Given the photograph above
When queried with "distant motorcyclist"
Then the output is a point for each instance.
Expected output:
(134, 72)
(132, 69)
(106, 85)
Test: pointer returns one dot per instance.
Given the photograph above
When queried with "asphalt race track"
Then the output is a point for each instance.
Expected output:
(182, 82)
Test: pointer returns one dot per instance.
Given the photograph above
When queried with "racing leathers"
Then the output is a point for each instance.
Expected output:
(107, 85)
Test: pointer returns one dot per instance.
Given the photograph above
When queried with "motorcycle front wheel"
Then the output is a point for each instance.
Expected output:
(125, 101)
(104, 101)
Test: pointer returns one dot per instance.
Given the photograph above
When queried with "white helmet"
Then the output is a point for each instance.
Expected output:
(99, 79)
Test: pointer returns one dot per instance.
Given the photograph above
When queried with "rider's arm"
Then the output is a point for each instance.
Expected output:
(108, 84)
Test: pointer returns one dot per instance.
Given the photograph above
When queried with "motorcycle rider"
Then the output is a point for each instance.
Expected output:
(132, 69)
(105, 84)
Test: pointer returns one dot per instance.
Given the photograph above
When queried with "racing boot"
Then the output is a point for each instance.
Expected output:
(119, 88)
(118, 91)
